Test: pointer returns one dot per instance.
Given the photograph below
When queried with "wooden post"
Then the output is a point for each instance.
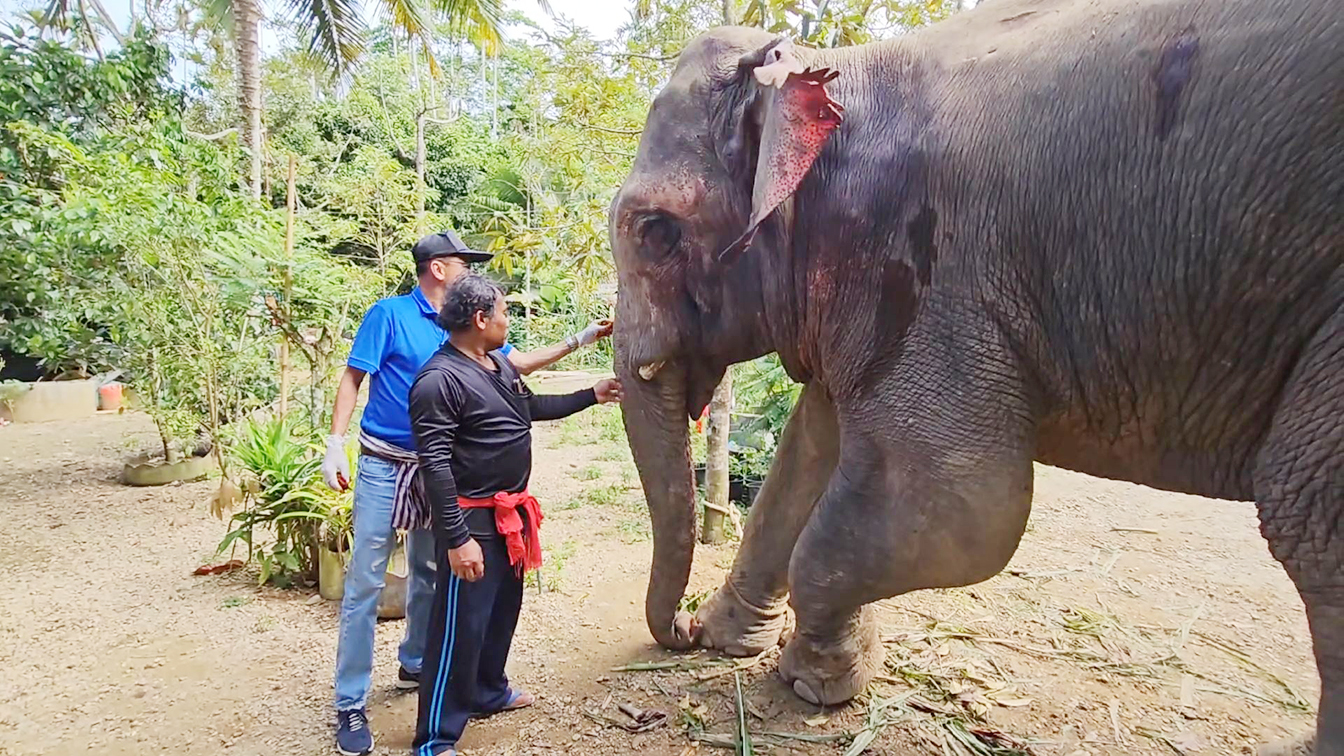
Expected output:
(288, 283)
(716, 462)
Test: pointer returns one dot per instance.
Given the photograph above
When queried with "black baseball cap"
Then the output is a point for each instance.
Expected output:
(446, 244)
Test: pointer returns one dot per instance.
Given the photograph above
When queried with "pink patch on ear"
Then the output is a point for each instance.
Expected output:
(801, 119)
(804, 117)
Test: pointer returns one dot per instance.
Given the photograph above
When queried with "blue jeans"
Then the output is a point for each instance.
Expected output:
(364, 579)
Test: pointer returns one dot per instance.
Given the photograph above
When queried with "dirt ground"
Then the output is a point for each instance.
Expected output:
(1130, 622)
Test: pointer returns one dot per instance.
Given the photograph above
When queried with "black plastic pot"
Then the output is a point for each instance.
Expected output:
(740, 490)
(753, 490)
(737, 491)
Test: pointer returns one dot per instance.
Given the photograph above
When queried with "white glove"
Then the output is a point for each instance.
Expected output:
(336, 466)
(591, 334)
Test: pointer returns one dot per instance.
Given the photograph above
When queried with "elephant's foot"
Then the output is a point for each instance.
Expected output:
(731, 624)
(1302, 745)
(832, 670)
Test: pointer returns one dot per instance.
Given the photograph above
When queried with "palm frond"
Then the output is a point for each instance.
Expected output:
(106, 18)
(479, 21)
(434, 69)
(61, 15)
(408, 16)
(336, 29)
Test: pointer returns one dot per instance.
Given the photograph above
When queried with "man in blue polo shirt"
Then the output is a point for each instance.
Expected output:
(397, 336)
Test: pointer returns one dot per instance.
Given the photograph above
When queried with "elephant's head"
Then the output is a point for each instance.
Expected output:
(727, 142)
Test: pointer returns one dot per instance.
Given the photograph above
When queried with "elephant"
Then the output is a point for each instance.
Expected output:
(1105, 235)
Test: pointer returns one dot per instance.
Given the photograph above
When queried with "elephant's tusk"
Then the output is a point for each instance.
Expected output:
(647, 372)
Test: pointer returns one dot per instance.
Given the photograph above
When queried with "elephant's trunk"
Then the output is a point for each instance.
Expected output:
(656, 424)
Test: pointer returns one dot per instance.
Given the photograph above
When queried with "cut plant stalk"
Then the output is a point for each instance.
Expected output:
(743, 734)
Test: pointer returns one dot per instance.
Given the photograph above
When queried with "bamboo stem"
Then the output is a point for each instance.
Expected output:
(287, 277)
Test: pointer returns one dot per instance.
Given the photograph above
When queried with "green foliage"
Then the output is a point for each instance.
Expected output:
(286, 500)
(126, 240)
(192, 341)
(763, 389)
(52, 101)
(55, 88)
(841, 23)
(752, 462)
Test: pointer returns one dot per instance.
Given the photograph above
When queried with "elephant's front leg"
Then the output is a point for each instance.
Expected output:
(914, 503)
(748, 614)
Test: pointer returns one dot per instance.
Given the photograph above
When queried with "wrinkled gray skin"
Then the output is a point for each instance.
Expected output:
(1103, 235)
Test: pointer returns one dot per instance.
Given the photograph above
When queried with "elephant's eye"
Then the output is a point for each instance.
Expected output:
(659, 235)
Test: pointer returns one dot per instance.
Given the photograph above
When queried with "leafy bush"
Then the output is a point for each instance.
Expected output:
(46, 269)
(286, 499)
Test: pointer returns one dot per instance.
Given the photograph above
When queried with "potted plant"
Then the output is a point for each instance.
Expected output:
(747, 468)
(333, 548)
(333, 551)
(284, 498)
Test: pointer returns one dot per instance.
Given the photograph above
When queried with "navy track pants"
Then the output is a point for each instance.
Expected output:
(470, 630)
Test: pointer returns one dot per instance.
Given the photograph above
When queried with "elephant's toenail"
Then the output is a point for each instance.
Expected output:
(804, 692)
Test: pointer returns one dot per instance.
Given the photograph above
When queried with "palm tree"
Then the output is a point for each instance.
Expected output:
(335, 30)
(60, 15)
(336, 37)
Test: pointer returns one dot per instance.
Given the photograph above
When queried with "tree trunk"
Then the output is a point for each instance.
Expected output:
(247, 47)
(716, 462)
(420, 166)
(729, 13)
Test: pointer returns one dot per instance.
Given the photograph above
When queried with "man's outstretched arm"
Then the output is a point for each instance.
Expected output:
(558, 406)
(529, 362)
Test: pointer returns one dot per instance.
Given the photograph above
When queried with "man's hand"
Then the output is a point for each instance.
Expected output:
(608, 391)
(598, 329)
(467, 561)
(335, 465)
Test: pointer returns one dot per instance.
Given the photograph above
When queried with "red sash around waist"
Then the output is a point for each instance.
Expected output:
(523, 541)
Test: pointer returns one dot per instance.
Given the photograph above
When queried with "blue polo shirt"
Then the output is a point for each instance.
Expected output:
(397, 337)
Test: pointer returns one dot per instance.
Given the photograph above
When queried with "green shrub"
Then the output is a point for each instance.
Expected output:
(285, 499)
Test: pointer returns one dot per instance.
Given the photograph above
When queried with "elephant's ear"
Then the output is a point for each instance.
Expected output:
(799, 117)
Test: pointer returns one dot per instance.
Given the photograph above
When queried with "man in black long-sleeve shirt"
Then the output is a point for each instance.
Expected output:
(472, 417)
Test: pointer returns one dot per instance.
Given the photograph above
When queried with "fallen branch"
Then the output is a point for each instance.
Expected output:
(738, 666)
(644, 721)
(675, 665)
(775, 739)
(1294, 701)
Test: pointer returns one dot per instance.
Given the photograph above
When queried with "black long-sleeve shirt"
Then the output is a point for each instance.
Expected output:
(473, 432)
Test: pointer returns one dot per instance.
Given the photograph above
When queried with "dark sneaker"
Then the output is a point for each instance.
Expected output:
(353, 737)
(407, 680)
